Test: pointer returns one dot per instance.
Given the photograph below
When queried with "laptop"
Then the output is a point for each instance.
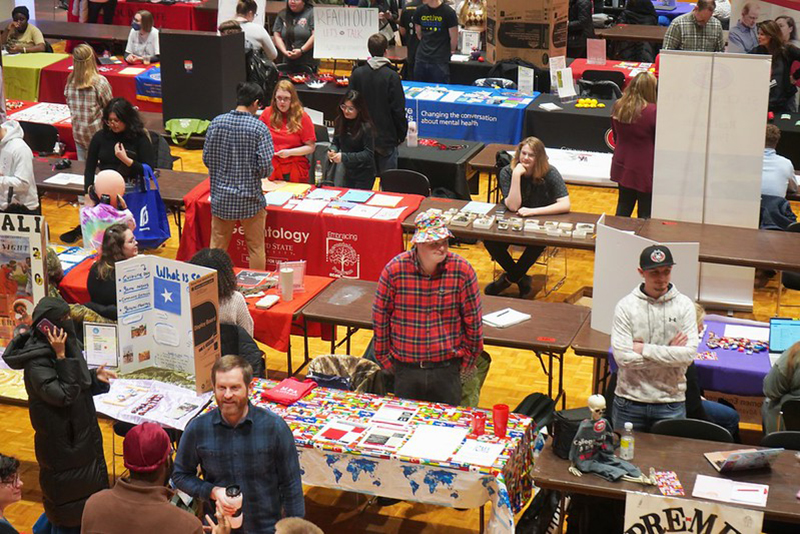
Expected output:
(742, 460)
(783, 333)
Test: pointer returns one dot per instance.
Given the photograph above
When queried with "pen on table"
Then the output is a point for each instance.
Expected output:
(502, 313)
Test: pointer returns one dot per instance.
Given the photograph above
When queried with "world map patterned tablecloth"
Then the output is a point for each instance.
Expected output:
(506, 483)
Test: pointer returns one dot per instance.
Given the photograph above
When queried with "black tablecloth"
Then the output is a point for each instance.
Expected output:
(576, 128)
(789, 145)
(444, 168)
(465, 73)
(325, 99)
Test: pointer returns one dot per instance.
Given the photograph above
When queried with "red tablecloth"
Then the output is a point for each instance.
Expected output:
(64, 127)
(333, 245)
(579, 66)
(54, 78)
(180, 16)
(271, 327)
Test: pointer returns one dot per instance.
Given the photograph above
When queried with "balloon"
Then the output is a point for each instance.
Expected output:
(109, 183)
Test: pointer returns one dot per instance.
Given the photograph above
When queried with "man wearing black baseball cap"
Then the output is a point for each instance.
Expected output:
(654, 340)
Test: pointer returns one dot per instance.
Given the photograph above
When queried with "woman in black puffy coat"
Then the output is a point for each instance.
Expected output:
(580, 27)
(636, 12)
(68, 441)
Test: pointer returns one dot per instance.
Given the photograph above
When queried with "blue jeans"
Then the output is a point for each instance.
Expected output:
(387, 162)
(432, 72)
(724, 416)
(644, 415)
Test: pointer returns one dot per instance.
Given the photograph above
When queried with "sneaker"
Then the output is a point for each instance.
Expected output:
(72, 236)
(498, 286)
(525, 286)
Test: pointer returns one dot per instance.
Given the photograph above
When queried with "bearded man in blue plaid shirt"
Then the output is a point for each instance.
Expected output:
(238, 153)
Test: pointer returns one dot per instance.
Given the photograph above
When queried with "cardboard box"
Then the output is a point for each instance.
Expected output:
(533, 30)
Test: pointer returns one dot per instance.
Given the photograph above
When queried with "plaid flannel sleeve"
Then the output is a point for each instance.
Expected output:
(472, 320)
(672, 39)
(382, 309)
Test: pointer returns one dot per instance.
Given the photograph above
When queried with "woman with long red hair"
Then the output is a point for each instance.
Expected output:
(292, 134)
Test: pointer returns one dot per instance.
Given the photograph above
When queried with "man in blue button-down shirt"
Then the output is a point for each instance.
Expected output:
(238, 153)
(244, 445)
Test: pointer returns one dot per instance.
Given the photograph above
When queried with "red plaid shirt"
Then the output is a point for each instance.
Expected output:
(86, 106)
(419, 317)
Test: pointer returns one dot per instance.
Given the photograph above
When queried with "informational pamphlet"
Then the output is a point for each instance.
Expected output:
(100, 344)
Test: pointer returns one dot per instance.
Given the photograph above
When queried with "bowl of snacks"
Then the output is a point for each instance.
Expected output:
(342, 81)
(299, 78)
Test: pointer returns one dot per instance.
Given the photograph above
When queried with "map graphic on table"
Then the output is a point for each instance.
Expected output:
(418, 466)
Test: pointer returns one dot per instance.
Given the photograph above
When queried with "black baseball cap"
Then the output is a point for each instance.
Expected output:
(655, 256)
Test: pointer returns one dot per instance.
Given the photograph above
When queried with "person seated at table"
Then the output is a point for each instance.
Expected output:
(293, 32)
(232, 306)
(743, 37)
(639, 12)
(777, 173)
(255, 35)
(580, 27)
(142, 44)
(781, 384)
(654, 339)
(353, 144)
(17, 184)
(21, 37)
(87, 93)
(122, 145)
(119, 244)
(788, 29)
(292, 134)
(10, 490)
(531, 187)
(696, 31)
(633, 122)
(782, 89)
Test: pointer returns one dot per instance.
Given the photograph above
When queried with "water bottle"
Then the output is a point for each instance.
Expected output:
(318, 174)
(411, 137)
(627, 443)
(235, 494)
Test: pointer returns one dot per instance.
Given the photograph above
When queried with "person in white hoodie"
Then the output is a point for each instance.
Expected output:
(17, 185)
(654, 339)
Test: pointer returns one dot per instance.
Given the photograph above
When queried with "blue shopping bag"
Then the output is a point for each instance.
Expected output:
(149, 212)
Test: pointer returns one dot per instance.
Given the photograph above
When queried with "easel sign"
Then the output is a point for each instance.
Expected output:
(643, 512)
(23, 280)
(342, 33)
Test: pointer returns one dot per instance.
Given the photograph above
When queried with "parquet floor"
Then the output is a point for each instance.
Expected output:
(513, 375)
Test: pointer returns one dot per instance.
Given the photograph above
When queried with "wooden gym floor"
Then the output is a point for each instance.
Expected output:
(513, 375)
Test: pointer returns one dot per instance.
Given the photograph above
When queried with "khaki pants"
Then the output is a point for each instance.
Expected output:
(254, 234)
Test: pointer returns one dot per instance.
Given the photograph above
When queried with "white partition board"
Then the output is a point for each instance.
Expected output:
(616, 262)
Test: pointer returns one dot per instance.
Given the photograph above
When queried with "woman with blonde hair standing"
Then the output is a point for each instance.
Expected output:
(633, 122)
(87, 93)
(292, 134)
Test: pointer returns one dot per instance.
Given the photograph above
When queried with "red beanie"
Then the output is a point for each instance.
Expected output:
(146, 447)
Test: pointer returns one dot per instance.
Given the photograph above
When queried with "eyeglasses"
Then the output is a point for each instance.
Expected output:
(13, 482)
(349, 109)
(283, 98)
(114, 121)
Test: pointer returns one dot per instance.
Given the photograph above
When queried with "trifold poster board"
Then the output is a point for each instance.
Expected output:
(616, 263)
(653, 513)
(712, 114)
(226, 10)
(168, 318)
(342, 33)
(22, 271)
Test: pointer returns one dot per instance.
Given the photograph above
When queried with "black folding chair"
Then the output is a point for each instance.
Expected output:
(692, 428)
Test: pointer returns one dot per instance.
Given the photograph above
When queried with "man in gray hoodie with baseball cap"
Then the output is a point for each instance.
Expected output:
(654, 339)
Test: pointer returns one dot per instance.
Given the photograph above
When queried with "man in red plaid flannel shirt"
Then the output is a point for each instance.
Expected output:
(427, 317)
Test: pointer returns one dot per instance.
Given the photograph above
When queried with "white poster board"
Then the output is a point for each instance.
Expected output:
(643, 512)
(342, 33)
(616, 262)
(226, 10)
(168, 318)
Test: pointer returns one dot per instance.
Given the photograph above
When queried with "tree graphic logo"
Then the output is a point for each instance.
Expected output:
(344, 258)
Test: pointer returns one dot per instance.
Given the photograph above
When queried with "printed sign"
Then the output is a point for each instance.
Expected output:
(342, 33)
(650, 514)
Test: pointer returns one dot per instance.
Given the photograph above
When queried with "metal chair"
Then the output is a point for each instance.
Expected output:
(786, 439)
(790, 415)
(405, 181)
(692, 428)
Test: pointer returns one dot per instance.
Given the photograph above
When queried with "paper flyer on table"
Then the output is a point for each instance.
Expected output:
(726, 490)
(277, 198)
(758, 333)
(323, 194)
(389, 214)
(505, 318)
(480, 208)
(384, 201)
(475, 452)
(393, 413)
(364, 211)
(65, 178)
(385, 437)
(341, 431)
(436, 443)
(311, 206)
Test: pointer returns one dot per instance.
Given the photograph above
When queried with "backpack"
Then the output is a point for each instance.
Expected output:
(543, 516)
(261, 71)
(507, 69)
(563, 428)
(538, 407)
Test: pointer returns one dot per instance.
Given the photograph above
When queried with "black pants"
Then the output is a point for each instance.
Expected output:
(108, 9)
(515, 270)
(441, 384)
(22, 210)
(628, 199)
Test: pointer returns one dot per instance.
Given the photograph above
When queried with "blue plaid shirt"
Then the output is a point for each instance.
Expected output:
(238, 153)
(259, 455)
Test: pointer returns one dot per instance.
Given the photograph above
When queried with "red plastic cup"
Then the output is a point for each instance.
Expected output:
(500, 419)
(478, 423)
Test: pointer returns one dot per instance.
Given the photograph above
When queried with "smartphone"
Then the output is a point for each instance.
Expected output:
(45, 326)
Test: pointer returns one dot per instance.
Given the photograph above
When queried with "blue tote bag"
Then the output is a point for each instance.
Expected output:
(149, 212)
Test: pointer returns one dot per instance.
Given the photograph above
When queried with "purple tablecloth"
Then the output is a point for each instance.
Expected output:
(735, 372)
(680, 9)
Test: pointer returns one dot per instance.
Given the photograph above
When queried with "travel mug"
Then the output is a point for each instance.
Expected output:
(286, 282)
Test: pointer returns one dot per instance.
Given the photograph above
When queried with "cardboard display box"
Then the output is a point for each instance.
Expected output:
(534, 30)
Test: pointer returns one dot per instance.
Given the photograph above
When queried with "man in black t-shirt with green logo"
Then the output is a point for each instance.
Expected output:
(436, 26)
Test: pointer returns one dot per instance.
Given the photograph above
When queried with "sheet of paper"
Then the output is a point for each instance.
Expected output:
(389, 214)
(549, 106)
(341, 431)
(459, 58)
(758, 333)
(436, 443)
(364, 211)
(565, 83)
(356, 195)
(323, 194)
(481, 208)
(476, 452)
(295, 188)
(430, 94)
(132, 71)
(394, 413)
(64, 178)
(384, 438)
(725, 490)
(451, 96)
(556, 64)
(525, 80)
(309, 205)
(386, 201)
(505, 318)
(277, 198)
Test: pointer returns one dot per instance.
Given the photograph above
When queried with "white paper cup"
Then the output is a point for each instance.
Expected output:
(286, 283)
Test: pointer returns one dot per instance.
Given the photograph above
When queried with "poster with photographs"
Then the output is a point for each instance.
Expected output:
(22, 272)
(168, 321)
